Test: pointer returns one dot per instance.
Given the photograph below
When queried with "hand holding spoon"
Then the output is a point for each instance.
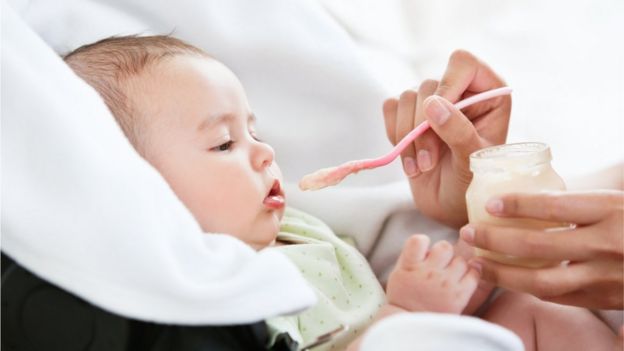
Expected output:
(334, 175)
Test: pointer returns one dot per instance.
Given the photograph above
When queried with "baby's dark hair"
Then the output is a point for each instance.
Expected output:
(107, 65)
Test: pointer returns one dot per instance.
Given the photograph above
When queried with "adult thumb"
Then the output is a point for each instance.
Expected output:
(453, 127)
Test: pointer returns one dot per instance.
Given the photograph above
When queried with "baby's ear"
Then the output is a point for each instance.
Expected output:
(414, 252)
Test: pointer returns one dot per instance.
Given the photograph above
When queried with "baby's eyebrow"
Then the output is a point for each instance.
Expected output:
(226, 117)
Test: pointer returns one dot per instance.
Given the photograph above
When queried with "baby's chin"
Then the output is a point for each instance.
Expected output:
(266, 235)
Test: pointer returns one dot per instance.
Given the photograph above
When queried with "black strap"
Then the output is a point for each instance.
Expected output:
(37, 315)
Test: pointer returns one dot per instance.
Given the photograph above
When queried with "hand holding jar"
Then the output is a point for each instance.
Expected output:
(592, 253)
(437, 162)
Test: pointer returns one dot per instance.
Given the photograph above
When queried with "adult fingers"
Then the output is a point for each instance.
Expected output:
(414, 252)
(543, 283)
(574, 207)
(405, 123)
(390, 107)
(452, 127)
(602, 285)
(427, 145)
(560, 245)
(465, 72)
(586, 299)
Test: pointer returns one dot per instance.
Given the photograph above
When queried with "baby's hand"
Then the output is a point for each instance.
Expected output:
(431, 280)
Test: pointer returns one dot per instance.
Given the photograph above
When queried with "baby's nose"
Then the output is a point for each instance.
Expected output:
(263, 156)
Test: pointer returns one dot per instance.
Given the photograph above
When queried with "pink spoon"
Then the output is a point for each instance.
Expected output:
(334, 175)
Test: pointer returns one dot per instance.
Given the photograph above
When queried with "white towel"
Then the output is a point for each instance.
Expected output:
(438, 331)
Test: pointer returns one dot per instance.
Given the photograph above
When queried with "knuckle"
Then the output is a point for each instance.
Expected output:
(612, 246)
(428, 86)
(466, 140)
(460, 263)
(482, 237)
(443, 88)
(542, 286)
(556, 206)
(445, 245)
(533, 243)
(511, 204)
(462, 55)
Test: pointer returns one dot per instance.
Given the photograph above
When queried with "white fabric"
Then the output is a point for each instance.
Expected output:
(82, 209)
(435, 332)
(317, 102)
(551, 52)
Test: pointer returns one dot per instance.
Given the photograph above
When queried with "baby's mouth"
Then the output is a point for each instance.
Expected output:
(275, 199)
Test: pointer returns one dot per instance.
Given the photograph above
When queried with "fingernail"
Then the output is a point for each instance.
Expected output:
(467, 233)
(476, 265)
(424, 160)
(495, 206)
(436, 110)
(410, 166)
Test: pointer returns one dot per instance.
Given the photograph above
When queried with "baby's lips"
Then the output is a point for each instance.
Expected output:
(275, 202)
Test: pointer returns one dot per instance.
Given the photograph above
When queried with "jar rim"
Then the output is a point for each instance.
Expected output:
(501, 157)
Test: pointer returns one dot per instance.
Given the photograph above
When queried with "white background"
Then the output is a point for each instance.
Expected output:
(564, 59)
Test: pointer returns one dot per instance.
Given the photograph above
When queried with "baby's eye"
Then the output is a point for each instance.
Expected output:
(223, 147)
(255, 137)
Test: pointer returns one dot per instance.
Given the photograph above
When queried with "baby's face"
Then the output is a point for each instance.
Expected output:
(201, 137)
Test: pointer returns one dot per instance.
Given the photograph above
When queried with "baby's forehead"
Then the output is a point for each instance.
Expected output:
(216, 119)
(191, 91)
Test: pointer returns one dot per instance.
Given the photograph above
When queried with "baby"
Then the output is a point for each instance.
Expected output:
(187, 114)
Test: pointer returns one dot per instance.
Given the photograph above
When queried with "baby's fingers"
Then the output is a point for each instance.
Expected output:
(440, 255)
(414, 252)
(470, 281)
(457, 268)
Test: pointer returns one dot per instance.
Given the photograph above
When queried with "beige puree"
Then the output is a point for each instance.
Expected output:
(511, 168)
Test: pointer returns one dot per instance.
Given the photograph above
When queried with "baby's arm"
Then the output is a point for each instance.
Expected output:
(433, 280)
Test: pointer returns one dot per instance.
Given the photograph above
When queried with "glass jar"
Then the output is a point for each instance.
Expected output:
(521, 167)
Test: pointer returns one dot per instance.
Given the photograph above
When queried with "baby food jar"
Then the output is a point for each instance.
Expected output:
(522, 167)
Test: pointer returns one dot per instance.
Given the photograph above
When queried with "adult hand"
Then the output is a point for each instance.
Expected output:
(437, 162)
(594, 276)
